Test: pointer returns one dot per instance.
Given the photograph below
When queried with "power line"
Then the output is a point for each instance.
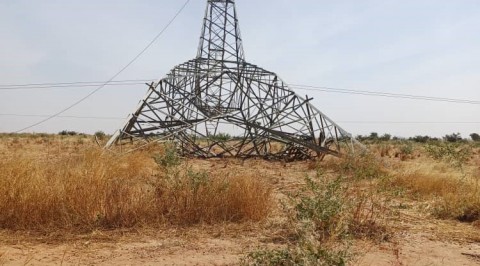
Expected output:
(408, 122)
(70, 83)
(346, 122)
(112, 78)
(74, 86)
(66, 116)
(383, 94)
(81, 84)
(77, 84)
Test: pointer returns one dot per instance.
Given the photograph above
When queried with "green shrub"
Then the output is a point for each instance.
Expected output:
(325, 215)
(305, 254)
(323, 204)
(360, 166)
(452, 153)
(169, 158)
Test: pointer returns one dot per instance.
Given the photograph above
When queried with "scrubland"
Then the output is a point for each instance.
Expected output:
(64, 200)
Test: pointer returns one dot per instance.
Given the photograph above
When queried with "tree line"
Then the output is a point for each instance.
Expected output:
(454, 137)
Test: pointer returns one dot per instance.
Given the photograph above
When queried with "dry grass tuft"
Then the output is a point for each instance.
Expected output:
(368, 214)
(362, 166)
(454, 198)
(188, 197)
(86, 191)
(421, 184)
(100, 190)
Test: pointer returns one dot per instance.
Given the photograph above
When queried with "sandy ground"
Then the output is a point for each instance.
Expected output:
(200, 248)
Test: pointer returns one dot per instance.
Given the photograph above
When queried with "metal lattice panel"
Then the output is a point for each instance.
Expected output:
(218, 92)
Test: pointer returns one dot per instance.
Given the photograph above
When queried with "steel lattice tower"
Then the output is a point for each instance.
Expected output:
(218, 92)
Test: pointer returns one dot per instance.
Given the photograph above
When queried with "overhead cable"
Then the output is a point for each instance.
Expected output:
(113, 77)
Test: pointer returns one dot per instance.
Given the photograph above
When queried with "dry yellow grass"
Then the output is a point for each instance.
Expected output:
(453, 196)
(91, 189)
(424, 184)
(190, 197)
(51, 182)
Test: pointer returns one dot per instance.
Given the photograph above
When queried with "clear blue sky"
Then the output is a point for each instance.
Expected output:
(397, 46)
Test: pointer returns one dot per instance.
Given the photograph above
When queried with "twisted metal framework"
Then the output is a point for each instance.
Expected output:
(203, 101)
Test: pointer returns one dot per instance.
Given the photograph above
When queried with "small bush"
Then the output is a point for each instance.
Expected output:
(455, 155)
(405, 151)
(360, 166)
(324, 207)
(306, 254)
(100, 135)
(338, 208)
(168, 158)
(325, 216)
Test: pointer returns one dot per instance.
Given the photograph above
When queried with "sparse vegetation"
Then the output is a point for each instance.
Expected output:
(325, 216)
(320, 229)
(311, 213)
(361, 166)
(456, 155)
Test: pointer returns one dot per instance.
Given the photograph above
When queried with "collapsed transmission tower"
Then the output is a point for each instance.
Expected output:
(218, 105)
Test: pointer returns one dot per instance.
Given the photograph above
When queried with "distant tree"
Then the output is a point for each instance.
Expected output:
(100, 135)
(454, 137)
(475, 137)
(421, 139)
(361, 137)
(373, 136)
(66, 132)
(386, 137)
